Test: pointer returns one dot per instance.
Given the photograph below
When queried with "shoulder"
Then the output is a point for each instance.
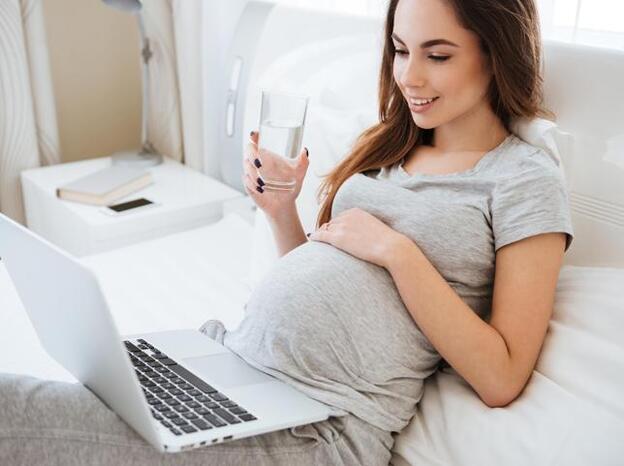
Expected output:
(521, 159)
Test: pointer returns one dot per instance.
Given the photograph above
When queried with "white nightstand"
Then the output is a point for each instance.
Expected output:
(188, 199)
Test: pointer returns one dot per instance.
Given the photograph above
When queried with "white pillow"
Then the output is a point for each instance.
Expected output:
(572, 410)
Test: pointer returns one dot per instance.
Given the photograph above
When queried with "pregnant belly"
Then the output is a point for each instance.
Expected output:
(325, 312)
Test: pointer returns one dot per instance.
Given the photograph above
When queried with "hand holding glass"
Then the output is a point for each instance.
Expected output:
(282, 118)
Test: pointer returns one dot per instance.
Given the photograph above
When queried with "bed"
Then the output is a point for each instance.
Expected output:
(572, 411)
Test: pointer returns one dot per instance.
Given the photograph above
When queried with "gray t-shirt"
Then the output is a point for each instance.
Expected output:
(335, 327)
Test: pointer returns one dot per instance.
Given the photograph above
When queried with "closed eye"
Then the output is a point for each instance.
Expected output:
(438, 58)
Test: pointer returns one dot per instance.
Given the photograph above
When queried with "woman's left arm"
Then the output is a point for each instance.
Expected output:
(495, 358)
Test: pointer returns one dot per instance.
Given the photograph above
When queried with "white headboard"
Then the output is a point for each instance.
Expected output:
(288, 48)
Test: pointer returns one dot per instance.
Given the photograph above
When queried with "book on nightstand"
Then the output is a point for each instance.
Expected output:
(106, 185)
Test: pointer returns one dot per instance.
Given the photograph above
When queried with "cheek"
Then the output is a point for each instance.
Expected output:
(464, 81)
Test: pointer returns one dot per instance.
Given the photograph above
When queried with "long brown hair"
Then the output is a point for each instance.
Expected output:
(510, 37)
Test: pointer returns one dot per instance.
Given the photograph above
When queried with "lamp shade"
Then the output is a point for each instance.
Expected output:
(132, 6)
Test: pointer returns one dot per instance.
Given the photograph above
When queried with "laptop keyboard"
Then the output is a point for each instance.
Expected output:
(178, 399)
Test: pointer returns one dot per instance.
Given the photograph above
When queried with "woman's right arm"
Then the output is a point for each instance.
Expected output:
(287, 230)
(278, 205)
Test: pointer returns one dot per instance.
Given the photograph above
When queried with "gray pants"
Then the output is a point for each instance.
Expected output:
(54, 423)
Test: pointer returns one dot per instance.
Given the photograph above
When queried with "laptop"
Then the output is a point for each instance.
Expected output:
(178, 389)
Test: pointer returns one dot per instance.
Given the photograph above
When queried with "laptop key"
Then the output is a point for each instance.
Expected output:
(229, 404)
(131, 347)
(172, 402)
(238, 410)
(161, 408)
(171, 414)
(193, 404)
(168, 362)
(190, 415)
(184, 398)
(188, 429)
(176, 391)
(223, 414)
(214, 420)
(201, 424)
(218, 396)
(168, 386)
(186, 386)
(154, 401)
(202, 411)
(203, 398)
(247, 417)
(178, 421)
(211, 405)
(181, 409)
(192, 379)
(175, 431)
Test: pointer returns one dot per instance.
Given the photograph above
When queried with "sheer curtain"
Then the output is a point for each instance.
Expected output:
(28, 129)
(591, 22)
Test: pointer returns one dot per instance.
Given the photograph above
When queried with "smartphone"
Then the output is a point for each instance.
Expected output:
(128, 206)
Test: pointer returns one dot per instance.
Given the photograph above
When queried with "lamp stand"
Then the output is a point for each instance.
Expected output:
(147, 156)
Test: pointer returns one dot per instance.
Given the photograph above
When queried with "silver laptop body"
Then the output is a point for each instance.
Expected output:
(71, 317)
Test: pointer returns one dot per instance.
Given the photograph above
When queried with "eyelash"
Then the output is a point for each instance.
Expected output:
(438, 58)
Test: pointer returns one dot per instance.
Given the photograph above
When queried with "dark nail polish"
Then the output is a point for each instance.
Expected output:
(257, 163)
(307, 153)
(259, 189)
(260, 182)
(308, 235)
(251, 134)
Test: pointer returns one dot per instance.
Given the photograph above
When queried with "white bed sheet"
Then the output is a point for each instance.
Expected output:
(177, 281)
(571, 412)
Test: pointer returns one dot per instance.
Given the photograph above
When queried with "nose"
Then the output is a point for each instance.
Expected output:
(413, 74)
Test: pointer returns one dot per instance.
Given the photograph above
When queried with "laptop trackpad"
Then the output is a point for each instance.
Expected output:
(226, 370)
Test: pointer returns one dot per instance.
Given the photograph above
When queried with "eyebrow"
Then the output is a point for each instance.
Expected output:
(429, 43)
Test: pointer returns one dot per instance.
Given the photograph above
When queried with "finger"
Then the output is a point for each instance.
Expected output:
(319, 235)
(251, 187)
(304, 160)
(253, 137)
(251, 154)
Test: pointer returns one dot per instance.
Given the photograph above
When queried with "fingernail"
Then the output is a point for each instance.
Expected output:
(257, 163)
(308, 235)
(259, 189)
(307, 153)
(260, 182)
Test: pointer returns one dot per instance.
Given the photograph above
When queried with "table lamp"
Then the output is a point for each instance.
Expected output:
(147, 155)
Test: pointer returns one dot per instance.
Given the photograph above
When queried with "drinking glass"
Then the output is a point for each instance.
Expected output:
(282, 118)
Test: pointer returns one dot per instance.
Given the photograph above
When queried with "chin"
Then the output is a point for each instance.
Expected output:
(424, 124)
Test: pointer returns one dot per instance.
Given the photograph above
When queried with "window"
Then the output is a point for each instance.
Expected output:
(590, 22)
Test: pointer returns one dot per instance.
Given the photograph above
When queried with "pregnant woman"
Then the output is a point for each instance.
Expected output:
(440, 236)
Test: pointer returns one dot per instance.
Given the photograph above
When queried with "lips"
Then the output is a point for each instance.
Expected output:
(416, 108)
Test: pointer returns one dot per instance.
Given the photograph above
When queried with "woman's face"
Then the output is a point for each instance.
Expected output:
(438, 58)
